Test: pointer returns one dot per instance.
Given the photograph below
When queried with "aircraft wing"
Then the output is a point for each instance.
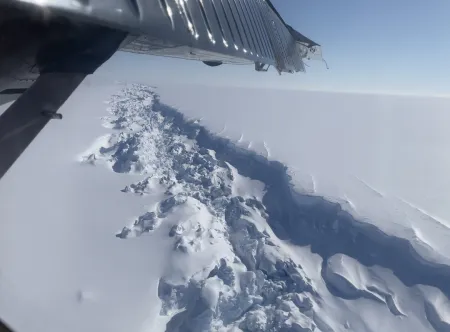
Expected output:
(47, 47)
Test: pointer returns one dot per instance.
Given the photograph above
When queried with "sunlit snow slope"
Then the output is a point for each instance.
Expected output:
(128, 216)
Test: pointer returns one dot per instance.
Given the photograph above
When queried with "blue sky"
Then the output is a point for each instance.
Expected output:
(400, 46)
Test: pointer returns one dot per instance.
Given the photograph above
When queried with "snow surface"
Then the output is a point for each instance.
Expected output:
(381, 157)
(129, 216)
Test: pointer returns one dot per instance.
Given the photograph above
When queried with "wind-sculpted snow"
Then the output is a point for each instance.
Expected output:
(348, 279)
(230, 213)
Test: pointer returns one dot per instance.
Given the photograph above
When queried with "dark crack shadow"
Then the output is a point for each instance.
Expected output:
(312, 220)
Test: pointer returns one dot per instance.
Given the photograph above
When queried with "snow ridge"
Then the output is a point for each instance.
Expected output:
(214, 214)
(249, 285)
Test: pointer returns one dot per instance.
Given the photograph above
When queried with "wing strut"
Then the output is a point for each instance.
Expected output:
(65, 53)
(29, 114)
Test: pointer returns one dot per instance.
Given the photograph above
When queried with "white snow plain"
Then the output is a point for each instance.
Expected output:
(211, 209)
